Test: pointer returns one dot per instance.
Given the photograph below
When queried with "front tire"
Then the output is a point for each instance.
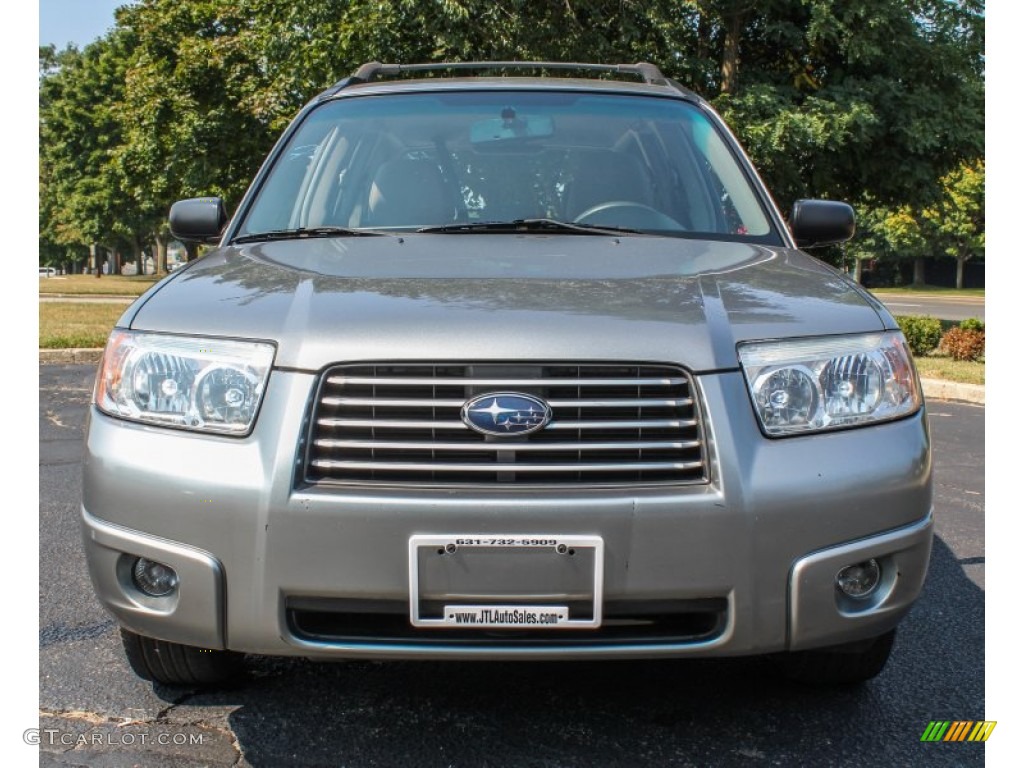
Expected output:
(176, 664)
(846, 664)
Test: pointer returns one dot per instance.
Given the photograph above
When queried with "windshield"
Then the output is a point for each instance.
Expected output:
(441, 161)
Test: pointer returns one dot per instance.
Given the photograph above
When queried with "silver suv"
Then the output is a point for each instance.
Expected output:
(507, 368)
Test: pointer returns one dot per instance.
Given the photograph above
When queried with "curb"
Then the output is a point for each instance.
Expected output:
(934, 389)
(56, 356)
(940, 389)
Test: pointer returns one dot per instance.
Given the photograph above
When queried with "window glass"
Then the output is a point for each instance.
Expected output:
(408, 161)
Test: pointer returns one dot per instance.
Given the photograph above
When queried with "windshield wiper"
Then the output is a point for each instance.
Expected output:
(527, 225)
(304, 232)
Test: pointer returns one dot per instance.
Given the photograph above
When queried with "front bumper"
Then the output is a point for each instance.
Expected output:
(761, 543)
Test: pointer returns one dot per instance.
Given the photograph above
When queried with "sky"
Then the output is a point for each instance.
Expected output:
(75, 21)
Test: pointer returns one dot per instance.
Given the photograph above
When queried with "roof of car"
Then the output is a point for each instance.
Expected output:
(374, 69)
(388, 78)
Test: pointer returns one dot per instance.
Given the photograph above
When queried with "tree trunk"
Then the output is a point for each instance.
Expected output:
(703, 33)
(733, 23)
(160, 249)
(960, 261)
(919, 271)
(140, 267)
(858, 267)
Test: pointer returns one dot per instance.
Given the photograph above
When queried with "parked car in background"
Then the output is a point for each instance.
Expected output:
(507, 368)
(47, 272)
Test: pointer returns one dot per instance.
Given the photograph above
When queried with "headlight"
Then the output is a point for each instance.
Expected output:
(809, 385)
(208, 385)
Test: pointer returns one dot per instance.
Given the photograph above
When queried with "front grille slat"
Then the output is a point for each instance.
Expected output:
(345, 380)
(400, 424)
(519, 447)
(426, 424)
(382, 402)
(439, 466)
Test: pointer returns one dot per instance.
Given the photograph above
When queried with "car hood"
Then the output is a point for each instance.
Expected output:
(432, 297)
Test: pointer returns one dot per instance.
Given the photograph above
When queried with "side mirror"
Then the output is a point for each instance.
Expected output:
(198, 220)
(821, 222)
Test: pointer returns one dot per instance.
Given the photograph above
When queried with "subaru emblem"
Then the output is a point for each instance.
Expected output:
(506, 414)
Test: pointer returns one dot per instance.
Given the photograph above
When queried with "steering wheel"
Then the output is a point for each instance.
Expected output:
(624, 213)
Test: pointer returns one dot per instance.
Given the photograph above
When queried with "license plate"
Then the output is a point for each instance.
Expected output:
(518, 581)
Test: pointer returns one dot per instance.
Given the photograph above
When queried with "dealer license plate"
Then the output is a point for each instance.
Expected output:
(517, 581)
(524, 616)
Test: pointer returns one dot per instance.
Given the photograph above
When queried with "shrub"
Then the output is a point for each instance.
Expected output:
(972, 324)
(963, 343)
(923, 333)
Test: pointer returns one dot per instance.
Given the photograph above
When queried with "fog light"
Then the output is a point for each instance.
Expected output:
(859, 580)
(153, 578)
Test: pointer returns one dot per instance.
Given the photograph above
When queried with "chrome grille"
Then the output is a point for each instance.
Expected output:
(400, 423)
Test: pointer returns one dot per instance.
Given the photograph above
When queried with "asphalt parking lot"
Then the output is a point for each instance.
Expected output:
(94, 712)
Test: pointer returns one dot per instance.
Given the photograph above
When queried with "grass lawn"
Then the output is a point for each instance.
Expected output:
(69, 325)
(931, 290)
(935, 367)
(86, 285)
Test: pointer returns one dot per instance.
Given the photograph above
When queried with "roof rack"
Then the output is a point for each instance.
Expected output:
(374, 69)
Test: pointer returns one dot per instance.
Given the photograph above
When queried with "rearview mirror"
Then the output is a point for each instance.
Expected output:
(198, 220)
(510, 126)
(821, 222)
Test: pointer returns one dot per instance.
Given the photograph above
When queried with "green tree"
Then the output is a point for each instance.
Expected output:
(867, 99)
(890, 233)
(83, 201)
(956, 222)
(184, 132)
(952, 226)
